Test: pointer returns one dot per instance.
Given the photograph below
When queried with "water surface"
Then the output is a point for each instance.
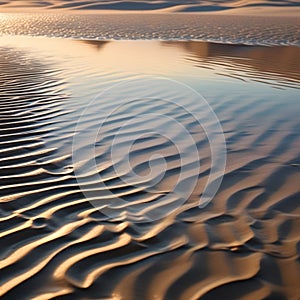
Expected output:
(56, 245)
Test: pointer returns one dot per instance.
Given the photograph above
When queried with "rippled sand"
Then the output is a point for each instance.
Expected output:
(56, 245)
(232, 6)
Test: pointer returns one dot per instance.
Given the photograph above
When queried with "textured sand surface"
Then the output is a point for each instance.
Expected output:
(253, 30)
(233, 6)
(55, 245)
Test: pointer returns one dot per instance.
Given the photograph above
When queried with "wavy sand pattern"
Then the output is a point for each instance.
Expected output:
(233, 6)
(56, 245)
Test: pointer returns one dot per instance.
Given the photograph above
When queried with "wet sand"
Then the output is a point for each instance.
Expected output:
(272, 30)
(56, 245)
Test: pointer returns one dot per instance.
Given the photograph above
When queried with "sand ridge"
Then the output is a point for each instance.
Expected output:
(55, 244)
(288, 7)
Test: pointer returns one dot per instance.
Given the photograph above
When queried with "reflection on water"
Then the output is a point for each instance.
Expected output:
(277, 65)
(97, 44)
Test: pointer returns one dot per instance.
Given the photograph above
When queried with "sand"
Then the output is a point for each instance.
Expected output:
(252, 7)
(56, 245)
(229, 29)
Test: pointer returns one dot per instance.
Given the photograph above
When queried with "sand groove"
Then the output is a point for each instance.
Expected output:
(56, 245)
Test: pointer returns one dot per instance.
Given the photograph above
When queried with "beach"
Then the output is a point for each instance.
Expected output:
(108, 140)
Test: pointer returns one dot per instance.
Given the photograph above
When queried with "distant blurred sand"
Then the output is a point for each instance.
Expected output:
(252, 7)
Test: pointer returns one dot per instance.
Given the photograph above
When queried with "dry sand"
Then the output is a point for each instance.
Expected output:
(252, 7)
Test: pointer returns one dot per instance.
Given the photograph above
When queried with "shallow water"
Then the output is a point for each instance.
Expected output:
(56, 244)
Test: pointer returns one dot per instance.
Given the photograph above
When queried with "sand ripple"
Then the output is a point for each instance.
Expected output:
(153, 5)
(56, 245)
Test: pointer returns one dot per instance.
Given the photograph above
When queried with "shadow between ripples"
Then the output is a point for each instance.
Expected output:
(55, 245)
